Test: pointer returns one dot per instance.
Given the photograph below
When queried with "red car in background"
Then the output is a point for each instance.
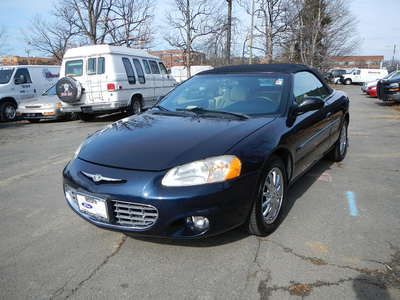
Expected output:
(371, 91)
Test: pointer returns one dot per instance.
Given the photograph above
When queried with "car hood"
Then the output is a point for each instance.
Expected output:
(158, 142)
(40, 101)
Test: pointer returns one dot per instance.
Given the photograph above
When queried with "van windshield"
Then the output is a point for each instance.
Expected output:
(74, 67)
(5, 75)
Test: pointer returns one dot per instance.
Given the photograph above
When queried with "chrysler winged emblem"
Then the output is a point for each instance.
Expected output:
(97, 178)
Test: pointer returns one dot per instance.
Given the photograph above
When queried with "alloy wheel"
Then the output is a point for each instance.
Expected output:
(272, 195)
(10, 112)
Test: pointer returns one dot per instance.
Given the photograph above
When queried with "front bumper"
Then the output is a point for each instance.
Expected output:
(40, 114)
(94, 108)
(226, 205)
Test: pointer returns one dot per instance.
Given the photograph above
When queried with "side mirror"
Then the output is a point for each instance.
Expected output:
(20, 79)
(309, 104)
(169, 71)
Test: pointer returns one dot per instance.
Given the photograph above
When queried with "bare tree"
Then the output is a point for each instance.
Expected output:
(130, 22)
(2, 39)
(320, 29)
(273, 24)
(92, 18)
(229, 32)
(190, 23)
(53, 38)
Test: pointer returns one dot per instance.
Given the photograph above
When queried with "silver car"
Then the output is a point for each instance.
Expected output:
(45, 107)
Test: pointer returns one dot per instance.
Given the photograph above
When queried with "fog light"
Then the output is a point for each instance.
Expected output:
(70, 195)
(198, 222)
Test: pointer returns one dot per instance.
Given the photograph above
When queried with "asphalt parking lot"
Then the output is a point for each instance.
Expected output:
(339, 240)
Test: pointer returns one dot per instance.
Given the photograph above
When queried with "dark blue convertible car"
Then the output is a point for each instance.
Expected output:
(219, 151)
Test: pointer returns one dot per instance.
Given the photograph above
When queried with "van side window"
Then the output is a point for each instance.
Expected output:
(146, 66)
(23, 72)
(154, 67)
(163, 68)
(74, 67)
(139, 70)
(129, 70)
(91, 66)
(100, 65)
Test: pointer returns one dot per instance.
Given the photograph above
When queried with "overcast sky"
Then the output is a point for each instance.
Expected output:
(378, 24)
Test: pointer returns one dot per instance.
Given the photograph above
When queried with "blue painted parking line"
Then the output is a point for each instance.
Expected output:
(351, 200)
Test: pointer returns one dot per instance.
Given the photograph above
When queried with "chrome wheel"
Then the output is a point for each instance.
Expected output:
(343, 140)
(10, 112)
(272, 195)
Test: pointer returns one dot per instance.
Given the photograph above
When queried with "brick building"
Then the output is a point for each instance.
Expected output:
(20, 60)
(176, 57)
(370, 62)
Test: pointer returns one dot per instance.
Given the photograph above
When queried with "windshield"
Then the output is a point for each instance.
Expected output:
(5, 75)
(245, 94)
(393, 75)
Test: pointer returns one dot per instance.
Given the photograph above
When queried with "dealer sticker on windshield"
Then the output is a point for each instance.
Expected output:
(279, 81)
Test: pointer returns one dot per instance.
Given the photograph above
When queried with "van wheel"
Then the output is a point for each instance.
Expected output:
(73, 116)
(8, 111)
(136, 107)
(348, 81)
(86, 117)
(271, 199)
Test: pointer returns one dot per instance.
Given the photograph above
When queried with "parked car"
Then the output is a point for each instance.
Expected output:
(366, 85)
(333, 75)
(45, 107)
(389, 89)
(101, 79)
(19, 83)
(360, 76)
(179, 73)
(371, 91)
(219, 151)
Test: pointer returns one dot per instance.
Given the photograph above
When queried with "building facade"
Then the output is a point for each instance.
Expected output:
(177, 57)
(20, 60)
(368, 62)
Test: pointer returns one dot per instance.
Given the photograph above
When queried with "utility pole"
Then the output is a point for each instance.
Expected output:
(251, 33)
(229, 33)
(394, 54)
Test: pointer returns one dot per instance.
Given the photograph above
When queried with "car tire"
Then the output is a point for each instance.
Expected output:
(73, 116)
(34, 121)
(339, 151)
(86, 117)
(135, 107)
(266, 213)
(8, 111)
(348, 81)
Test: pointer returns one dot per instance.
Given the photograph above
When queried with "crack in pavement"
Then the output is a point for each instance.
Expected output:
(59, 291)
(382, 279)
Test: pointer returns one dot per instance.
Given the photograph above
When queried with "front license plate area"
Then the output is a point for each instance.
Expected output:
(93, 206)
(86, 109)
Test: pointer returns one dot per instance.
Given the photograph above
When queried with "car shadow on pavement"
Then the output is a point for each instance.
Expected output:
(295, 192)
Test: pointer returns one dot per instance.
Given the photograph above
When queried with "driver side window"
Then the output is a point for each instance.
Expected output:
(307, 84)
(23, 73)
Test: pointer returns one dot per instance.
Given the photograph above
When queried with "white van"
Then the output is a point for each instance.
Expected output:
(363, 75)
(180, 74)
(99, 79)
(18, 83)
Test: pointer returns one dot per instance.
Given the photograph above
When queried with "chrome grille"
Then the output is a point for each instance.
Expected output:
(134, 215)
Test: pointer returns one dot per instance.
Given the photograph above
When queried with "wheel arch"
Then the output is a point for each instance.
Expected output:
(136, 96)
(286, 156)
(10, 99)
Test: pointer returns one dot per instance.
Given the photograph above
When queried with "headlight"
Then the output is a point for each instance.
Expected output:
(210, 170)
(58, 105)
(394, 85)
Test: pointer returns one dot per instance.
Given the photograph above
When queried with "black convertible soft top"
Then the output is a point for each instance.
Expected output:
(264, 68)
(281, 68)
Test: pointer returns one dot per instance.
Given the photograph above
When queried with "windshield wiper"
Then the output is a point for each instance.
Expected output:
(160, 107)
(200, 111)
